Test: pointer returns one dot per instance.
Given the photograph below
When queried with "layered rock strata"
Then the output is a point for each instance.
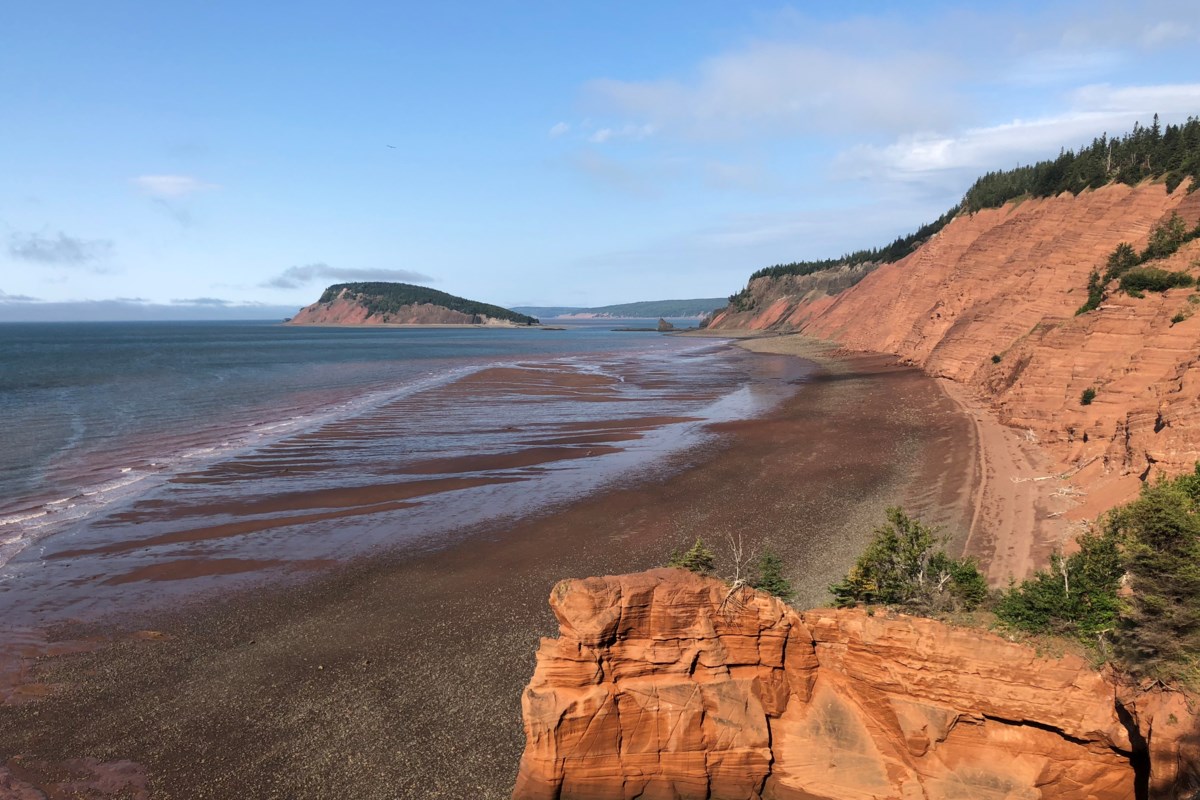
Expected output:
(668, 685)
(1005, 284)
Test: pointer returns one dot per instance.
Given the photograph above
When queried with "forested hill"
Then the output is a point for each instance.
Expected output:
(643, 309)
(381, 299)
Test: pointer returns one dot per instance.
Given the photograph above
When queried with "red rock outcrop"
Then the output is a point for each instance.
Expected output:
(664, 685)
(1006, 282)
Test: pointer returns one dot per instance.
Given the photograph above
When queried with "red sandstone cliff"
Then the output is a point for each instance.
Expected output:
(1007, 282)
(662, 686)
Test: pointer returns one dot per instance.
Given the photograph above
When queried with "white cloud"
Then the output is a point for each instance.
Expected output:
(629, 131)
(61, 250)
(1096, 109)
(171, 186)
(295, 277)
(773, 87)
(1160, 33)
(559, 129)
(1165, 99)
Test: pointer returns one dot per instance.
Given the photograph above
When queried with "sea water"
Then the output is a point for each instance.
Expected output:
(242, 447)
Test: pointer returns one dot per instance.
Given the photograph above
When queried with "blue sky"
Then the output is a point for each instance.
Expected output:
(213, 158)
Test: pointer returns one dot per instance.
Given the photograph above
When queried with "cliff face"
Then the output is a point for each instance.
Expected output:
(663, 685)
(1007, 282)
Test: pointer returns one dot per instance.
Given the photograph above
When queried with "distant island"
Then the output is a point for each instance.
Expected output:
(646, 309)
(381, 303)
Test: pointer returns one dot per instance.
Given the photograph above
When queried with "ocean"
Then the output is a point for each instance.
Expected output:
(142, 461)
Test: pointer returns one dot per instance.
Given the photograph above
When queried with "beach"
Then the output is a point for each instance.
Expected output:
(399, 674)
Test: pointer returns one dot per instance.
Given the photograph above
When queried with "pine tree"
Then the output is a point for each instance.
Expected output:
(698, 559)
(770, 576)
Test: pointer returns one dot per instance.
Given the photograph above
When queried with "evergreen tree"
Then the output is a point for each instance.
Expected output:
(905, 566)
(770, 576)
(1160, 632)
(698, 559)
(1077, 596)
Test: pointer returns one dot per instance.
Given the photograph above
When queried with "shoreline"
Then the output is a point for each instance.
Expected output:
(1013, 487)
(400, 676)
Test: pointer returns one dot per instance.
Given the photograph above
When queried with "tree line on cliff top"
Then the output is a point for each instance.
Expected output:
(1171, 153)
(1131, 592)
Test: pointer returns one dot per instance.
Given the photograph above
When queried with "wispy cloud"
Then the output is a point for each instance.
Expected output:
(1096, 109)
(204, 301)
(171, 186)
(295, 277)
(629, 131)
(5, 297)
(59, 249)
(783, 88)
(559, 129)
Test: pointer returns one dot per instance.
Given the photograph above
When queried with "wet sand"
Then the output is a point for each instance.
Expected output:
(401, 676)
(1021, 512)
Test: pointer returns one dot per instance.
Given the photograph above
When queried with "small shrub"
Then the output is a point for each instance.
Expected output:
(1166, 237)
(769, 577)
(1095, 289)
(996, 358)
(1152, 279)
(1089, 394)
(1077, 596)
(1194, 299)
(1178, 318)
(698, 559)
(905, 566)
(1120, 261)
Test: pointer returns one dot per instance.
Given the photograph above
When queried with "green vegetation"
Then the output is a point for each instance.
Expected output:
(387, 298)
(907, 567)
(1089, 394)
(698, 559)
(766, 574)
(769, 577)
(1159, 630)
(1152, 546)
(1132, 590)
(1152, 279)
(996, 358)
(1178, 318)
(1171, 153)
(1077, 596)
(1166, 238)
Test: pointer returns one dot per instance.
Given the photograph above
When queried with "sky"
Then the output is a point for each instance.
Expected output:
(224, 159)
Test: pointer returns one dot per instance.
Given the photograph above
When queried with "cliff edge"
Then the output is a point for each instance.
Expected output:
(663, 684)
